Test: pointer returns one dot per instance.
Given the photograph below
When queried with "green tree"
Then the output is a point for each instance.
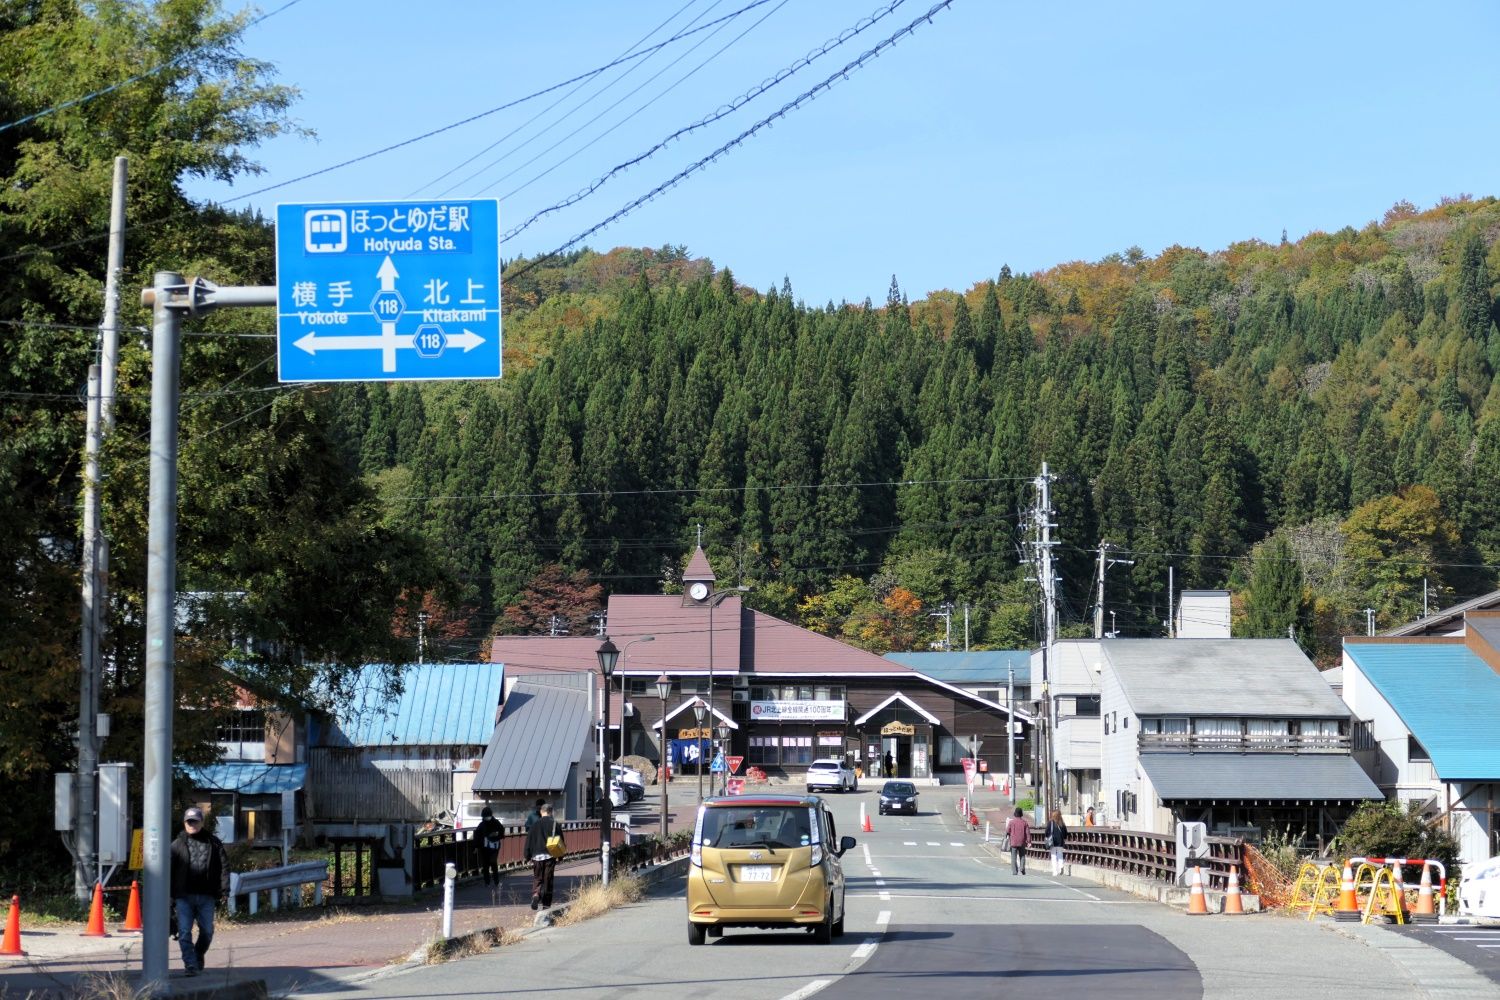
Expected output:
(1275, 601)
(1393, 543)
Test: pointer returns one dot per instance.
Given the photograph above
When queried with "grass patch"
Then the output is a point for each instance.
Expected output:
(592, 898)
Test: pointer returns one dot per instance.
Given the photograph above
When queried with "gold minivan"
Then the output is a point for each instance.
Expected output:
(766, 861)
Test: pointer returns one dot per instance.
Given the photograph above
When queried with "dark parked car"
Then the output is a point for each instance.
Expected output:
(898, 797)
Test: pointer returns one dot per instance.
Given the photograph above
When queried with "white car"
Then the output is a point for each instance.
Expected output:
(1479, 891)
(831, 775)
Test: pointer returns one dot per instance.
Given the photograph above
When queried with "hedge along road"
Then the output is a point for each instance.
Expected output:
(930, 908)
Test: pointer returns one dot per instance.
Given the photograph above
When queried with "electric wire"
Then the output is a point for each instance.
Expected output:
(786, 109)
(459, 166)
(670, 87)
(723, 112)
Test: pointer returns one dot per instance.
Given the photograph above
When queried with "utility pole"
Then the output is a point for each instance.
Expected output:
(966, 627)
(1105, 548)
(945, 612)
(1010, 726)
(1041, 523)
(422, 635)
(1369, 621)
(95, 570)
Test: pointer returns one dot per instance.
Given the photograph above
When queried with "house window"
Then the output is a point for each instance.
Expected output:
(1416, 751)
(641, 686)
(951, 751)
(244, 726)
(1263, 728)
(1087, 706)
(695, 685)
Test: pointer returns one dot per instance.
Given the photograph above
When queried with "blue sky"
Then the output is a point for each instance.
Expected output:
(998, 133)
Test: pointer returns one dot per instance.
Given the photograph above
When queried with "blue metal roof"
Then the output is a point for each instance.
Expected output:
(1446, 695)
(248, 777)
(440, 704)
(988, 668)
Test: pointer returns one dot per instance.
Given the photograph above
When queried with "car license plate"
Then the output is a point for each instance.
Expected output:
(755, 873)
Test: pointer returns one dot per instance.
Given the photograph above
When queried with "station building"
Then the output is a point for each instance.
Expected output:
(782, 695)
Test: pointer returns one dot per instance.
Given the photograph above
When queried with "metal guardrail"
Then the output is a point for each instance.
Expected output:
(434, 850)
(1149, 855)
(273, 880)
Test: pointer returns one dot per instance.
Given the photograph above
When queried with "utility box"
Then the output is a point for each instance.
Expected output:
(1192, 845)
(114, 814)
(63, 790)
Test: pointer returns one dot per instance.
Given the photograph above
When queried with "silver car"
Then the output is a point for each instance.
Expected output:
(831, 775)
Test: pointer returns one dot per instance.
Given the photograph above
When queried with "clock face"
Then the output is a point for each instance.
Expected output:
(698, 591)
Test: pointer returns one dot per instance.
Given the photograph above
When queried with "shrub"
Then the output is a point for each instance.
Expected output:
(1387, 830)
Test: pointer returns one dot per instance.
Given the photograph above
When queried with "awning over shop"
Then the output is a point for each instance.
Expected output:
(1258, 777)
(247, 777)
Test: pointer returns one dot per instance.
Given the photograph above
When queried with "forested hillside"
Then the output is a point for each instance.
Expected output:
(1312, 425)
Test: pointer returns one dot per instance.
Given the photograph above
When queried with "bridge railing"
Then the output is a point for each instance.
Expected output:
(1147, 855)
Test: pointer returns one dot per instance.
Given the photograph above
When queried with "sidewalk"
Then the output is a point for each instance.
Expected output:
(299, 950)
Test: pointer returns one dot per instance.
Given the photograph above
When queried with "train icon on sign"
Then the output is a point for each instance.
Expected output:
(325, 230)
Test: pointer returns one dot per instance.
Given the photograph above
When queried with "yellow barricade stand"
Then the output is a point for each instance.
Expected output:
(1327, 892)
(1385, 898)
(1306, 886)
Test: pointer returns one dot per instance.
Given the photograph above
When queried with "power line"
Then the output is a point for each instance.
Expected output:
(723, 112)
(714, 489)
(622, 100)
(140, 76)
(723, 150)
(564, 97)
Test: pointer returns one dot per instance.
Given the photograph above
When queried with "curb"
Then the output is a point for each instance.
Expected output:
(542, 921)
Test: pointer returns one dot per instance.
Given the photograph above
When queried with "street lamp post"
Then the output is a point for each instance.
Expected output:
(713, 602)
(623, 654)
(723, 754)
(608, 655)
(663, 689)
(699, 711)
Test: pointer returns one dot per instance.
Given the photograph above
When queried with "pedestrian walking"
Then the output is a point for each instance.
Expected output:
(890, 765)
(535, 814)
(1018, 832)
(489, 834)
(543, 864)
(200, 880)
(1088, 817)
(1057, 836)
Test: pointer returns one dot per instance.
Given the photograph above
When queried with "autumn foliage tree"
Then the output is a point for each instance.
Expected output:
(553, 594)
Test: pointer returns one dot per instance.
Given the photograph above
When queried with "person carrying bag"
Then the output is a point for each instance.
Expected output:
(544, 845)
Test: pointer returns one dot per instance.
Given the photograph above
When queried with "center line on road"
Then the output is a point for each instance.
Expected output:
(885, 896)
(808, 990)
(865, 950)
(880, 881)
(908, 843)
(933, 843)
(883, 919)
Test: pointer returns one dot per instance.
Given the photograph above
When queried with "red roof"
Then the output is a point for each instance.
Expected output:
(741, 637)
(698, 567)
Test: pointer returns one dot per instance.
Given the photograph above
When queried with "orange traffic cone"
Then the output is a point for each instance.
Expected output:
(96, 914)
(1232, 901)
(1348, 909)
(12, 943)
(132, 924)
(1197, 904)
(1425, 913)
(865, 826)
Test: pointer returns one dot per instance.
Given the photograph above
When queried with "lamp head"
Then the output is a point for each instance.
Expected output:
(663, 687)
(608, 655)
(699, 710)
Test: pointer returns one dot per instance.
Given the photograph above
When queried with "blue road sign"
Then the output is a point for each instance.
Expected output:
(388, 291)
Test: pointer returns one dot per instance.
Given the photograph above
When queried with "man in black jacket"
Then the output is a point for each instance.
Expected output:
(543, 864)
(200, 879)
(488, 835)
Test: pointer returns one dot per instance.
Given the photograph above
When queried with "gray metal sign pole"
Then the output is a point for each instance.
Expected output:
(169, 297)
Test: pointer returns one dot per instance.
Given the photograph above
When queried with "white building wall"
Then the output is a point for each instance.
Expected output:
(1202, 614)
(1119, 764)
(1397, 776)
(1073, 669)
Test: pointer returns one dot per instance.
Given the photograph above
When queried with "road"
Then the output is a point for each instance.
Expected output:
(930, 908)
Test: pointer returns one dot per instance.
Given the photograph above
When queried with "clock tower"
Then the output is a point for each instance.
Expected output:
(697, 580)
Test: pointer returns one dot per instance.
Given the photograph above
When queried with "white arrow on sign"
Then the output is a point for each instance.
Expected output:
(312, 343)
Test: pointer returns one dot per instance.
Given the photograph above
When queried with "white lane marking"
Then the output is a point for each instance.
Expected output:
(865, 950)
(1487, 946)
(808, 990)
(933, 843)
(883, 919)
(880, 881)
(1072, 889)
(955, 843)
(998, 898)
(908, 843)
(867, 853)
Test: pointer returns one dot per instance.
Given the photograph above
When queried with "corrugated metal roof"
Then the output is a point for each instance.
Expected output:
(1265, 777)
(440, 704)
(989, 667)
(248, 777)
(542, 733)
(1445, 620)
(1446, 696)
(1226, 677)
